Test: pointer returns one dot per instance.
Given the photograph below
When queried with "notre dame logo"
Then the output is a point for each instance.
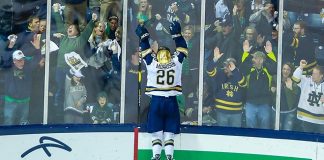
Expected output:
(314, 98)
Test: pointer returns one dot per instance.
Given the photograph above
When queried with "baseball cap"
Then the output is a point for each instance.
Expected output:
(228, 61)
(18, 55)
(76, 73)
(259, 54)
(227, 20)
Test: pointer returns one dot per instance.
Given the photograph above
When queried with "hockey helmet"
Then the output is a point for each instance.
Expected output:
(163, 55)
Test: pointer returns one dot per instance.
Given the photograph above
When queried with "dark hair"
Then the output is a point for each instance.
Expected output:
(291, 66)
(302, 24)
(255, 32)
(102, 95)
(76, 25)
(113, 17)
(31, 18)
(77, 28)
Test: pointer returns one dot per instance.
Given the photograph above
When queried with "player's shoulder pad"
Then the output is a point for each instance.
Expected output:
(182, 50)
(145, 52)
(154, 56)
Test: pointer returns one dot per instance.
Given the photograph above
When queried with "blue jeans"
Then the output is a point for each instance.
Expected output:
(16, 113)
(229, 120)
(287, 120)
(60, 76)
(257, 116)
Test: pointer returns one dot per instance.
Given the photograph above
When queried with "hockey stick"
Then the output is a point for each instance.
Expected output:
(139, 79)
(139, 86)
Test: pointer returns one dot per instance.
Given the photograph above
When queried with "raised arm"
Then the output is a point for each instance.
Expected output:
(181, 45)
(212, 66)
(271, 62)
(144, 45)
(85, 34)
(298, 73)
(58, 18)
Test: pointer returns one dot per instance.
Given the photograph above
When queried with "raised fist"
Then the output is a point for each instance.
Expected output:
(142, 32)
(302, 64)
(94, 16)
(175, 28)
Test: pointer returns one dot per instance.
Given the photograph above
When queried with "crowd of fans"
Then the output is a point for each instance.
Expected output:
(240, 64)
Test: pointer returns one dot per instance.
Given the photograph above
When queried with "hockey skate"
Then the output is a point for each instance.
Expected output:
(169, 157)
(156, 157)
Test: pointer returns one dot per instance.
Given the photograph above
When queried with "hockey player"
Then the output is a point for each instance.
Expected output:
(310, 110)
(163, 85)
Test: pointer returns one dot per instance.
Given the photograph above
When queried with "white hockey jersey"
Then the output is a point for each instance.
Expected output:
(164, 79)
(310, 108)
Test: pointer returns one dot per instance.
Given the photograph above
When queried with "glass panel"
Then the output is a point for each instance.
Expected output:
(190, 68)
(83, 94)
(303, 42)
(156, 15)
(240, 60)
(21, 62)
(135, 70)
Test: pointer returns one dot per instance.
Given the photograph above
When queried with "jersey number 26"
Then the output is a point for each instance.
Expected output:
(165, 77)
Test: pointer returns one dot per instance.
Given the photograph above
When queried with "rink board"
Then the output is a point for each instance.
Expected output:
(116, 142)
(221, 143)
(77, 142)
(211, 147)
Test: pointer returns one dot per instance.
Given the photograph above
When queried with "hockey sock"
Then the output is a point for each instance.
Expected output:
(169, 143)
(157, 142)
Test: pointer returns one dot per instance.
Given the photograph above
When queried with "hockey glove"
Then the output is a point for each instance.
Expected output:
(175, 29)
(142, 33)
